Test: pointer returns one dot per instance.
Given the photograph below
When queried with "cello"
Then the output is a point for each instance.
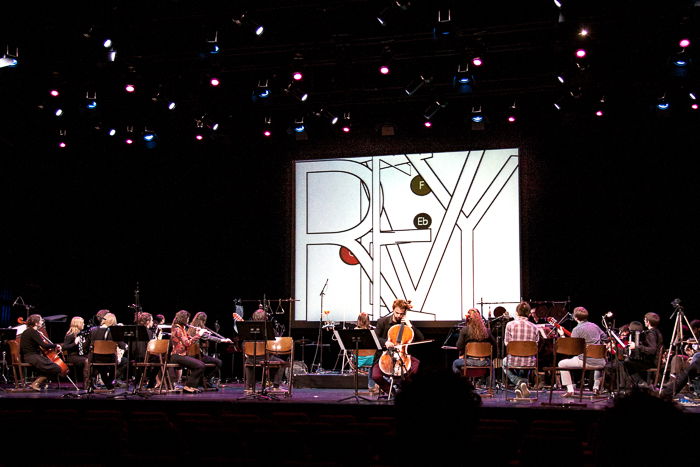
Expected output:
(52, 354)
(395, 361)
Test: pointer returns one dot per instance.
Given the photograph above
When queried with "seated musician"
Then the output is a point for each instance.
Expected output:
(32, 343)
(138, 352)
(102, 333)
(275, 373)
(474, 330)
(676, 385)
(75, 347)
(644, 350)
(181, 341)
(364, 359)
(520, 329)
(398, 315)
(200, 321)
(593, 335)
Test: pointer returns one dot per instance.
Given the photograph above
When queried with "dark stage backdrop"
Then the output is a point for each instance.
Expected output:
(609, 217)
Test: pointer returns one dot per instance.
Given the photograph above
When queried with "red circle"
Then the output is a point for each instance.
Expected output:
(347, 257)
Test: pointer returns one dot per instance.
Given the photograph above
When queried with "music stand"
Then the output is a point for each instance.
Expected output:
(128, 333)
(256, 331)
(365, 338)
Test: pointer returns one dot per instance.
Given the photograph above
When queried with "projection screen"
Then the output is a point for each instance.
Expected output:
(439, 229)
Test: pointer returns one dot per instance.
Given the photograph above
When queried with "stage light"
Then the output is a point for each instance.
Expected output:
(389, 13)
(62, 139)
(384, 70)
(172, 105)
(130, 88)
(111, 55)
(684, 43)
(512, 114)
(385, 61)
(433, 108)
(244, 21)
(129, 141)
(581, 53)
(297, 76)
(198, 137)
(477, 61)
(112, 132)
(148, 135)
(662, 103)
(62, 144)
(214, 82)
(347, 123)
(680, 59)
(583, 32)
(444, 25)
(267, 127)
(262, 91)
(299, 126)
(297, 93)
(415, 85)
(9, 60)
(427, 124)
(58, 112)
(91, 100)
(478, 119)
(54, 92)
(214, 43)
(600, 108)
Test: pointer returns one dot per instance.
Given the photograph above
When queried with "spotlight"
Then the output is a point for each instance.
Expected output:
(112, 132)
(684, 43)
(297, 76)
(583, 32)
(384, 70)
(347, 123)
(267, 127)
(433, 108)
(415, 85)
(58, 112)
(111, 55)
(581, 53)
(512, 116)
(129, 141)
(172, 105)
(62, 139)
(8, 59)
(107, 44)
(385, 60)
(477, 61)
(91, 103)
(245, 22)
(148, 135)
(600, 107)
(444, 25)
(325, 114)
(54, 93)
(130, 88)
(463, 76)
(214, 82)
(262, 91)
(662, 103)
(299, 126)
(297, 93)
(427, 124)
(214, 43)
(478, 119)
(199, 137)
(680, 59)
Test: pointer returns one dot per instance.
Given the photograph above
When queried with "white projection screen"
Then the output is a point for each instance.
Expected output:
(439, 229)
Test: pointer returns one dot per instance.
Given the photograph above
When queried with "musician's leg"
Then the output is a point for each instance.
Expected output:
(566, 380)
(378, 378)
(457, 366)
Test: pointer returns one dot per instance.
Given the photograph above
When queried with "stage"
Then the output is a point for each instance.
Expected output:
(315, 426)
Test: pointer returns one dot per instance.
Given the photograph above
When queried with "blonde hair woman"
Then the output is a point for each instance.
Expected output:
(76, 346)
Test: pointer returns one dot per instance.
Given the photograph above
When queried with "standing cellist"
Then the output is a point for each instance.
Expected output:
(32, 346)
(384, 324)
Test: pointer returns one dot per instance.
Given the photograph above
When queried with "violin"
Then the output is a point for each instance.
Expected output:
(554, 323)
(52, 354)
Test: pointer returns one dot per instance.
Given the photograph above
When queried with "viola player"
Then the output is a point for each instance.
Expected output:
(384, 324)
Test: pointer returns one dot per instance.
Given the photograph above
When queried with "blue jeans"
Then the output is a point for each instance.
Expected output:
(517, 376)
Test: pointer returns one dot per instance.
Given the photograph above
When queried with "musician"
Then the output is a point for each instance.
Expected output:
(32, 343)
(75, 347)
(275, 373)
(200, 321)
(364, 360)
(520, 329)
(644, 350)
(102, 333)
(474, 330)
(180, 341)
(593, 335)
(398, 315)
(675, 385)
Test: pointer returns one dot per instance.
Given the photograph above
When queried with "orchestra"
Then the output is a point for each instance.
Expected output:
(632, 348)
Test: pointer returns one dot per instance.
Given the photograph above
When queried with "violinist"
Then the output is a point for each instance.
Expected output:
(75, 346)
(474, 330)
(32, 344)
(384, 324)
(593, 335)
(644, 350)
(181, 341)
(200, 321)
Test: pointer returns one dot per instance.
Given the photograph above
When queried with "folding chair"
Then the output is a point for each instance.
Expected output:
(521, 349)
(569, 347)
(157, 348)
(480, 350)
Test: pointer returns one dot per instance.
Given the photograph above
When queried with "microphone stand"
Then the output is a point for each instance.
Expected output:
(319, 342)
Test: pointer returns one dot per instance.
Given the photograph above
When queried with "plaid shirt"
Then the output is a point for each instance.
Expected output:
(520, 329)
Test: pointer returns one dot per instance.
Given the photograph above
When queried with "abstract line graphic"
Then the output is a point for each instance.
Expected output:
(440, 229)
